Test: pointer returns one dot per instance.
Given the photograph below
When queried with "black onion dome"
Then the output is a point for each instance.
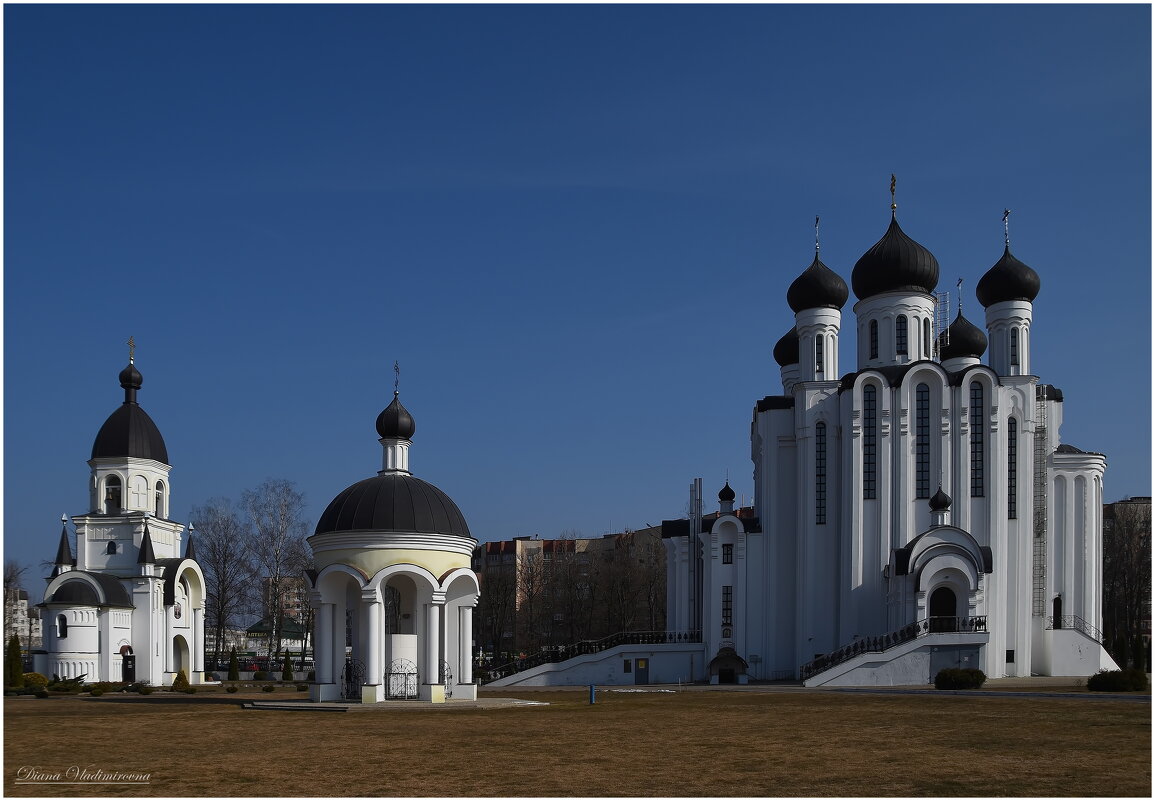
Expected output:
(964, 339)
(818, 287)
(395, 422)
(786, 350)
(393, 502)
(895, 263)
(129, 431)
(726, 494)
(940, 502)
(1009, 279)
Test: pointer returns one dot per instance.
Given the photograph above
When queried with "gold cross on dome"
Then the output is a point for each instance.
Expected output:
(131, 349)
(893, 205)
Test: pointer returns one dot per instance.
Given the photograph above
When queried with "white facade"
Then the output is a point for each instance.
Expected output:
(915, 514)
(128, 606)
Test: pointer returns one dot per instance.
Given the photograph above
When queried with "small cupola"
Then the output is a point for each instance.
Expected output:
(786, 349)
(962, 340)
(726, 500)
(1008, 280)
(817, 287)
(395, 426)
(939, 508)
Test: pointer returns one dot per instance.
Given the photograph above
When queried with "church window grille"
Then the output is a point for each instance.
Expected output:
(977, 440)
(874, 339)
(727, 554)
(869, 442)
(818, 356)
(926, 338)
(1015, 346)
(727, 605)
(1012, 468)
(112, 495)
(820, 473)
(922, 441)
(900, 345)
(61, 627)
(159, 508)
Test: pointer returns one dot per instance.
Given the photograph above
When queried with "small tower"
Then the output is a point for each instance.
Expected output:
(816, 297)
(395, 426)
(786, 354)
(961, 345)
(1007, 292)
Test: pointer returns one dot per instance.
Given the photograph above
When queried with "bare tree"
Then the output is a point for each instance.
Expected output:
(621, 585)
(220, 551)
(13, 585)
(275, 546)
(1127, 579)
(571, 578)
(498, 604)
(531, 604)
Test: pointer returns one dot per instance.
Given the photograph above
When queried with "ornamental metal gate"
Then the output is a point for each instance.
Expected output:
(401, 680)
(352, 678)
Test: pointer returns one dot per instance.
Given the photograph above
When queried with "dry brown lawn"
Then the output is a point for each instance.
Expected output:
(694, 743)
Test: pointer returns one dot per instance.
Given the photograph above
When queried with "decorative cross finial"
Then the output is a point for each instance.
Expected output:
(958, 286)
(1006, 227)
(396, 378)
(131, 349)
(816, 236)
(893, 205)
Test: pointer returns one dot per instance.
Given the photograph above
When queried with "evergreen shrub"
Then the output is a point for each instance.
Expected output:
(232, 688)
(13, 664)
(96, 692)
(1131, 679)
(268, 688)
(302, 688)
(35, 680)
(959, 679)
(181, 681)
(260, 675)
(234, 666)
(287, 670)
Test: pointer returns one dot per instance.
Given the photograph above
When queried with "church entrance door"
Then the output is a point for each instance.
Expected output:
(943, 610)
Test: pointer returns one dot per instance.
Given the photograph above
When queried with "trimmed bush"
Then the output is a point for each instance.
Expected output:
(190, 690)
(302, 688)
(181, 681)
(287, 670)
(144, 689)
(234, 666)
(311, 675)
(232, 688)
(1129, 680)
(36, 681)
(260, 675)
(13, 663)
(959, 679)
(41, 693)
(96, 692)
(268, 688)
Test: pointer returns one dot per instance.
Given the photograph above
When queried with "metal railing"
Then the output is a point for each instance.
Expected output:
(883, 642)
(1076, 623)
(560, 653)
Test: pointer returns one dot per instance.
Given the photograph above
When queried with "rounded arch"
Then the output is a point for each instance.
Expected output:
(460, 583)
(420, 575)
(160, 500)
(333, 578)
(112, 493)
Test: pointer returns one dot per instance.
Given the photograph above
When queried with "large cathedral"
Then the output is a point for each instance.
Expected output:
(913, 513)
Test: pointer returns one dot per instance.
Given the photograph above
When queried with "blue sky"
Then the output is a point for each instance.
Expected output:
(573, 226)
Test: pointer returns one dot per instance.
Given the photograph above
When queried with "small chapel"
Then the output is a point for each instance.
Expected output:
(128, 605)
(391, 587)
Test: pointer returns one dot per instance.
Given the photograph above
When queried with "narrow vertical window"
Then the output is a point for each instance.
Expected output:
(874, 339)
(977, 440)
(1012, 468)
(820, 473)
(727, 605)
(900, 346)
(112, 495)
(1015, 347)
(818, 356)
(61, 627)
(926, 338)
(159, 506)
(922, 441)
(727, 554)
(869, 442)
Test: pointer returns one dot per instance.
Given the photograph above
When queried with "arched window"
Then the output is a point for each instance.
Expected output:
(818, 355)
(158, 509)
(900, 346)
(820, 473)
(874, 339)
(61, 627)
(977, 440)
(112, 504)
(1015, 347)
(1012, 468)
(111, 548)
(926, 338)
(922, 441)
(869, 442)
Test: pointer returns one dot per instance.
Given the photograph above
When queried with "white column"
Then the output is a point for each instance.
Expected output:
(371, 602)
(323, 642)
(198, 644)
(433, 642)
(465, 647)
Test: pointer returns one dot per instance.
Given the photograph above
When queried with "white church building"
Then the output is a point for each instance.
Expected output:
(913, 513)
(128, 606)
